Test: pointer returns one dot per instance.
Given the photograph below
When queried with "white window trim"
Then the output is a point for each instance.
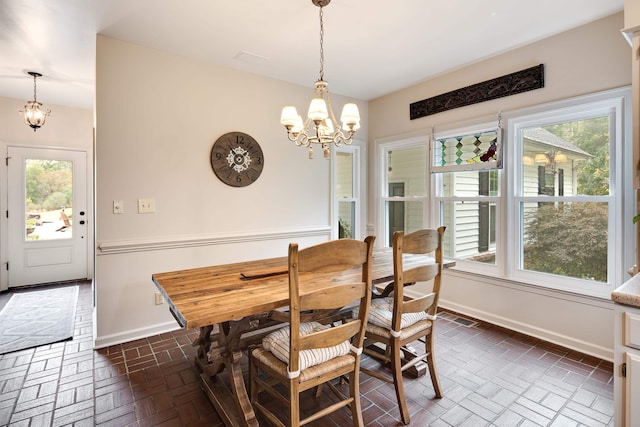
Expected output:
(618, 102)
(359, 189)
(384, 145)
(620, 227)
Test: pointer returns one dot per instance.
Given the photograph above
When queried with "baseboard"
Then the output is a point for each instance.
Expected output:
(552, 337)
(135, 334)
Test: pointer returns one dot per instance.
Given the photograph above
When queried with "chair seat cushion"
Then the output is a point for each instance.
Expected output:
(269, 360)
(381, 314)
(422, 327)
(277, 343)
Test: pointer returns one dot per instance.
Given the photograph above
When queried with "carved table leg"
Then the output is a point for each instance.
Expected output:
(203, 342)
(232, 402)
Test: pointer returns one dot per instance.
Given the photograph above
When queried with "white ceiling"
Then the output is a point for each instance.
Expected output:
(372, 47)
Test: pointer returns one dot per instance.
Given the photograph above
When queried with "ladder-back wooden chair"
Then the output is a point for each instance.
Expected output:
(396, 321)
(304, 355)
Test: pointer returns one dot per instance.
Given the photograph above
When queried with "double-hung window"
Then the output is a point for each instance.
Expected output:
(567, 211)
(467, 196)
(346, 190)
(558, 213)
(403, 202)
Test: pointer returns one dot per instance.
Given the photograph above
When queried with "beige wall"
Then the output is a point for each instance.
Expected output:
(588, 59)
(631, 14)
(158, 116)
(66, 127)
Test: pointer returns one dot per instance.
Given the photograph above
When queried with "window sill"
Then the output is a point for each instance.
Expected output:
(525, 286)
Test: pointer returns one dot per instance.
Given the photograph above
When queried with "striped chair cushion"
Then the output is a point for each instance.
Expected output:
(381, 314)
(277, 343)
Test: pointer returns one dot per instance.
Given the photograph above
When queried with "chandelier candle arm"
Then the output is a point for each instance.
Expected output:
(33, 115)
(321, 126)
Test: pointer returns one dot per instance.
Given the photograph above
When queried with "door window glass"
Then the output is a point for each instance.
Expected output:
(48, 199)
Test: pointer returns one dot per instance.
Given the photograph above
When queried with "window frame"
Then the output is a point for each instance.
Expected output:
(610, 103)
(394, 144)
(357, 170)
(439, 198)
(621, 241)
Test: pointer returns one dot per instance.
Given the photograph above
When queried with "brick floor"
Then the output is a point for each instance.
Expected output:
(490, 377)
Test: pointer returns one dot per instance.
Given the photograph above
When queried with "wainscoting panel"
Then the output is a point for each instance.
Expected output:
(577, 322)
(126, 307)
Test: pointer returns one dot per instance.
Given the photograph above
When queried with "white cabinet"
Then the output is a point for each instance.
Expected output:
(635, 83)
(632, 389)
(626, 373)
(631, 13)
(632, 33)
(626, 368)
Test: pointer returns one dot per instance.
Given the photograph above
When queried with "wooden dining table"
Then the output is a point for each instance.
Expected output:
(232, 305)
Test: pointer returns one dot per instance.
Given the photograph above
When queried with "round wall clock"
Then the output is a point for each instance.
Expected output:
(237, 159)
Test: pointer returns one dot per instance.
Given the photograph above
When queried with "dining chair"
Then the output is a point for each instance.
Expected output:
(396, 321)
(303, 355)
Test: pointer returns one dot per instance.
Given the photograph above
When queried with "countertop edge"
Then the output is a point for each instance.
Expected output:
(628, 293)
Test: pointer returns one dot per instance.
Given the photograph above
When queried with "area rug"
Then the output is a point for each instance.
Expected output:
(38, 317)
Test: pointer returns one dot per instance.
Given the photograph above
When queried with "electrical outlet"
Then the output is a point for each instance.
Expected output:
(159, 299)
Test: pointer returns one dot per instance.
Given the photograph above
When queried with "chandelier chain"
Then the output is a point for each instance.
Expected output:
(321, 126)
(34, 89)
(321, 45)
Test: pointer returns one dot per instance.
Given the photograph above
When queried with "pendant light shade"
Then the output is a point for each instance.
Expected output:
(33, 115)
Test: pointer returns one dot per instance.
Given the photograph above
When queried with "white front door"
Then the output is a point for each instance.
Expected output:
(47, 215)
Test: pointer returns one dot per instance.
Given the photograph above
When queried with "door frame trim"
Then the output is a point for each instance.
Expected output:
(4, 206)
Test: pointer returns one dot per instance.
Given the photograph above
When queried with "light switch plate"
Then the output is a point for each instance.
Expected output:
(118, 207)
(146, 206)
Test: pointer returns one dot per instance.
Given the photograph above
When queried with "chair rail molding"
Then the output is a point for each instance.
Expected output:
(109, 247)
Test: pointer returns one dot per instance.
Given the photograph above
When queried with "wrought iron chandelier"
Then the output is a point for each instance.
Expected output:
(33, 115)
(319, 126)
